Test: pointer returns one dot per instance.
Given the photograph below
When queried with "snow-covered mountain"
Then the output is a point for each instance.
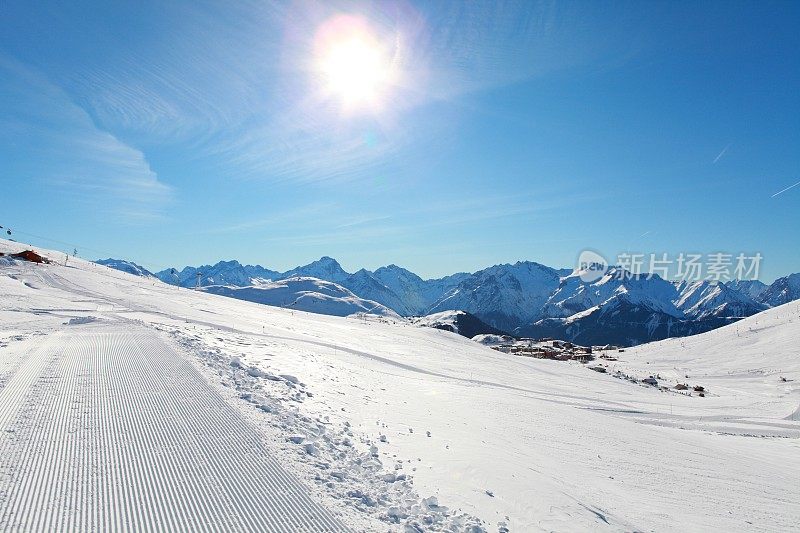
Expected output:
(126, 266)
(712, 299)
(503, 296)
(751, 287)
(418, 295)
(367, 286)
(376, 420)
(392, 286)
(326, 268)
(627, 309)
(532, 299)
(574, 295)
(461, 322)
(305, 294)
(783, 290)
(222, 273)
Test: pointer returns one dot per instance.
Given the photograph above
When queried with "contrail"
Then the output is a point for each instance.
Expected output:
(786, 189)
(722, 153)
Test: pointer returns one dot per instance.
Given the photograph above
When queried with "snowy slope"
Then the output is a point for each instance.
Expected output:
(110, 443)
(461, 322)
(326, 268)
(222, 273)
(575, 295)
(364, 284)
(503, 296)
(751, 287)
(418, 295)
(126, 266)
(739, 365)
(534, 300)
(782, 290)
(712, 299)
(627, 309)
(389, 425)
(305, 294)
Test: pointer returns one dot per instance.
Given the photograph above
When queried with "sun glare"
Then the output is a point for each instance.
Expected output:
(353, 64)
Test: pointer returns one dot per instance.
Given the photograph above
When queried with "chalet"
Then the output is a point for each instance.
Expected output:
(30, 255)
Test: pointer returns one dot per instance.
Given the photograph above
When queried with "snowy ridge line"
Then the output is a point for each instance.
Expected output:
(127, 436)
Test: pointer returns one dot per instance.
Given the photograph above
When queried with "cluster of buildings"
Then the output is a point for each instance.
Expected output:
(548, 348)
(558, 350)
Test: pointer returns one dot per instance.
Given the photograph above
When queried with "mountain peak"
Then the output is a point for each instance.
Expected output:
(232, 263)
(125, 266)
(325, 267)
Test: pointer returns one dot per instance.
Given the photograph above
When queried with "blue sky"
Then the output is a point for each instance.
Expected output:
(185, 133)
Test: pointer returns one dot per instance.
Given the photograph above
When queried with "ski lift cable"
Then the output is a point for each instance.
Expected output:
(159, 266)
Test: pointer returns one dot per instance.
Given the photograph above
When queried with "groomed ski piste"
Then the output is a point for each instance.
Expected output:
(127, 404)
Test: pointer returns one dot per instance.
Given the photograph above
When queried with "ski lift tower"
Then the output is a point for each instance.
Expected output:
(199, 275)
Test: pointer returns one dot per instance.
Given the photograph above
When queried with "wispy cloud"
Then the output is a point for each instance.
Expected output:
(233, 82)
(786, 189)
(370, 228)
(722, 153)
(54, 140)
(359, 221)
(276, 218)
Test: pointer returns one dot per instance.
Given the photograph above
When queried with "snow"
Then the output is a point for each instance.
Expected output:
(305, 294)
(575, 295)
(222, 273)
(388, 426)
(492, 340)
(530, 299)
(442, 319)
(326, 268)
(752, 288)
(702, 299)
(418, 294)
(125, 266)
(781, 291)
(503, 296)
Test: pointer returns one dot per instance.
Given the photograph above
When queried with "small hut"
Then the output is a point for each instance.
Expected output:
(30, 255)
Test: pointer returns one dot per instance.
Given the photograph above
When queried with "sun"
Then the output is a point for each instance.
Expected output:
(354, 70)
(353, 64)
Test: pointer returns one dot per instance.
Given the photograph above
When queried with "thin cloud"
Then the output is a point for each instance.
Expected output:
(363, 220)
(258, 118)
(275, 219)
(69, 152)
(786, 189)
(722, 153)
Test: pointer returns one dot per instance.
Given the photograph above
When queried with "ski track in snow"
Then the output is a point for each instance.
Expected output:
(126, 404)
(96, 416)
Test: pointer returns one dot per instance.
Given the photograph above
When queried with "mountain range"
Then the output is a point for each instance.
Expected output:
(305, 294)
(523, 298)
